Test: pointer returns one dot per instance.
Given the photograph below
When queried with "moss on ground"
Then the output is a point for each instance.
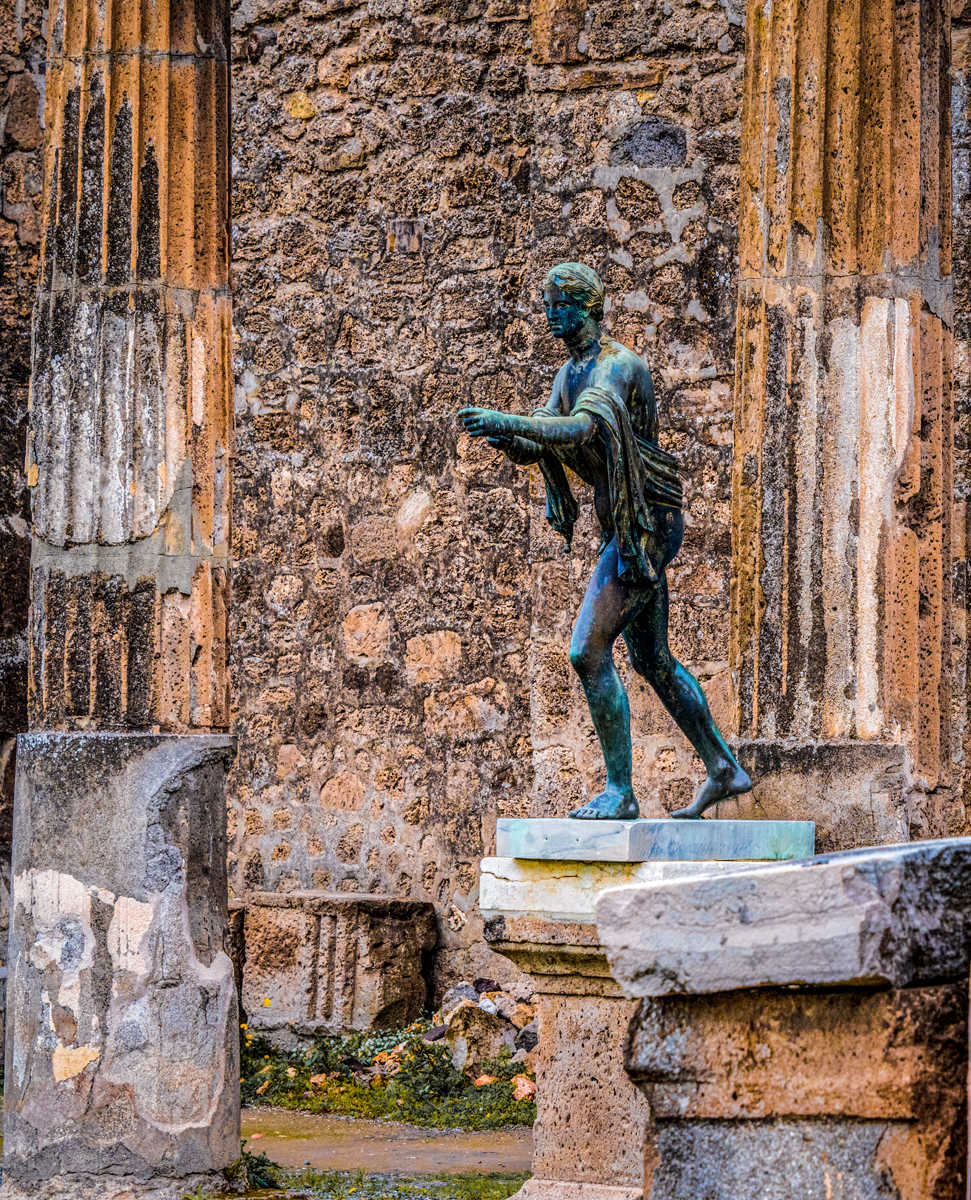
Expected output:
(389, 1076)
(258, 1175)
(330, 1185)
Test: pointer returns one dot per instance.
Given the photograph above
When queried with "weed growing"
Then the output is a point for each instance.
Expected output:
(330, 1185)
(393, 1076)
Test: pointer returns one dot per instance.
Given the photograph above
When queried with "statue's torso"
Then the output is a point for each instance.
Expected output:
(629, 377)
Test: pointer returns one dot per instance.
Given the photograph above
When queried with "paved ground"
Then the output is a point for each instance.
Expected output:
(295, 1139)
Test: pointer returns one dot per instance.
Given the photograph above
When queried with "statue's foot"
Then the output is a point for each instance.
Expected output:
(733, 781)
(611, 805)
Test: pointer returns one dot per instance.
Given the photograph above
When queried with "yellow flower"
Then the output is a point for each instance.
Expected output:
(266, 1001)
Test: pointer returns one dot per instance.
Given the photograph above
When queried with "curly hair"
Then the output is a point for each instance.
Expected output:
(582, 282)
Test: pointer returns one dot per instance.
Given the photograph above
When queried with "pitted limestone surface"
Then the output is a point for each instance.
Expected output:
(122, 1042)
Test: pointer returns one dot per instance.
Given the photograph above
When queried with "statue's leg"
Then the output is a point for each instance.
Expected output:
(680, 693)
(607, 607)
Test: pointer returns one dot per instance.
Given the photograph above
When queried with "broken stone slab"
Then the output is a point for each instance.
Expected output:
(122, 1039)
(333, 962)
(564, 839)
(896, 916)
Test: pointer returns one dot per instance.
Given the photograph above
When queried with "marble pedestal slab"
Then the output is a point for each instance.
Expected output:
(563, 839)
(539, 909)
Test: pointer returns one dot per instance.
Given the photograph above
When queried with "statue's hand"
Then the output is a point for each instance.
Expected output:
(483, 422)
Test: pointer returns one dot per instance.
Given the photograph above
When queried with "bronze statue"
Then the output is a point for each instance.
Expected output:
(601, 421)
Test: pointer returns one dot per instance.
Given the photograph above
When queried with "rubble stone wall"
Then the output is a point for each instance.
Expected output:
(404, 173)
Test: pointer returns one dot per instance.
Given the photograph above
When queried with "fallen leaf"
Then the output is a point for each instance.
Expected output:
(485, 1080)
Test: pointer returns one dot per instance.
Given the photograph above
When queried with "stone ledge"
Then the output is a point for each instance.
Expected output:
(558, 1189)
(710, 840)
(896, 916)
(110, 1187)
(331, 962)
(567, 891)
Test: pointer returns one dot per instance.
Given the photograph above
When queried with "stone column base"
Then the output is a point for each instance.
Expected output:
(119, 911)
(108, 1187)
(558, 1189)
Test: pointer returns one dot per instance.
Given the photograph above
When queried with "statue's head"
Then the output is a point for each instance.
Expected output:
(573, 294)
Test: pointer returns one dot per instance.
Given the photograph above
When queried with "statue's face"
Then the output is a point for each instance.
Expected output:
(566, 314)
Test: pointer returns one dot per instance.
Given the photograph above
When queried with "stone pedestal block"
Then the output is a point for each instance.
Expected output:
(122, 1044)
(803, 1029)
(539, 912)
(319, 962)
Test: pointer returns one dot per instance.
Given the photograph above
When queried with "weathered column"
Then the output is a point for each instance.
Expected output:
(122, 1050)
(841, 624)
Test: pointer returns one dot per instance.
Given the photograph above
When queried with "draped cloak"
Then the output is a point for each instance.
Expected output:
(641, 478)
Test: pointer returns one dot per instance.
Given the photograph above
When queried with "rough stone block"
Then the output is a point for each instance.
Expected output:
(334, 962)
(122, 1041)
(853, 1093)
(562, 839)
(895, 916)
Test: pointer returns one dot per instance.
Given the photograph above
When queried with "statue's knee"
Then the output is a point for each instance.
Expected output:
(585, 659)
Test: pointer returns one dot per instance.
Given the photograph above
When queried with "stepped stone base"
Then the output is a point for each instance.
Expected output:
(558, 1189)
(321, 962)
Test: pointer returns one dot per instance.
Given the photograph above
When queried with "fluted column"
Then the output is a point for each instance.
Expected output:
(131, 388)
(842, 484)
(122, 1074)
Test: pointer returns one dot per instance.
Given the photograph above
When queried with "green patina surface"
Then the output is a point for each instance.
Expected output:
(710, 840)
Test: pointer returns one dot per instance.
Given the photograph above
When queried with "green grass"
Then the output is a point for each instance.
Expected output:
(426, 1090)
(339, 1185)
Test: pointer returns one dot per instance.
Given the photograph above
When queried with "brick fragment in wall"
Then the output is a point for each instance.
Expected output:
(387, 260)
(131, 423)
(336, 963)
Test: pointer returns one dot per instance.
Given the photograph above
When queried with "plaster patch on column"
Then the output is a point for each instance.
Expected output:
(126, 934)
(904, 408)
(876, 474)
(198, 380)
(169, 1015)
(839, 476)
(63, 949)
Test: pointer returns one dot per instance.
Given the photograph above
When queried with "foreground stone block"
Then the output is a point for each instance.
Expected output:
(898, 915)
(320, 962)
(122, 1040)
(830, 1083)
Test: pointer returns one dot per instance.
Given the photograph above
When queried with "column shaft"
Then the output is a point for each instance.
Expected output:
(131, 388)
(122, 1048)
(843, 436)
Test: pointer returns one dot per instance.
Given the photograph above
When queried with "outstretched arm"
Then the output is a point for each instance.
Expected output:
(544, 431)
(518, 450)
